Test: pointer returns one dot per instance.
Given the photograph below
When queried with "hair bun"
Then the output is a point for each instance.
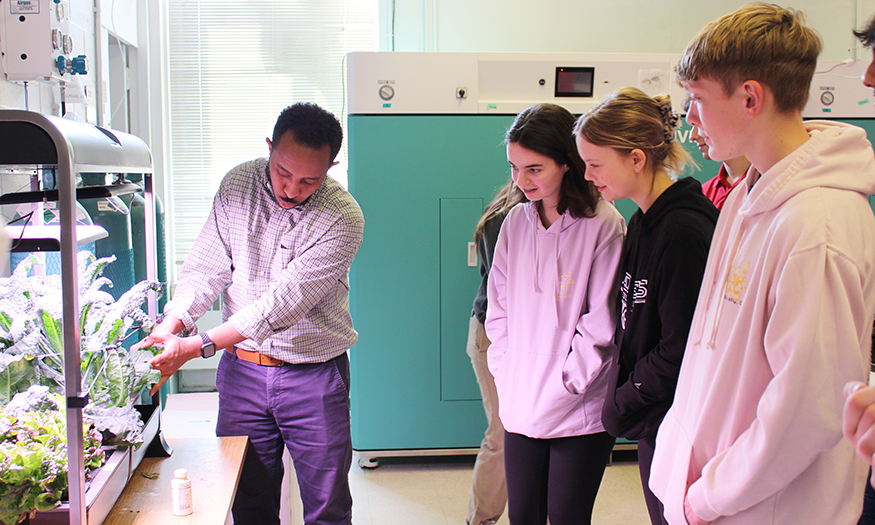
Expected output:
(669, 118)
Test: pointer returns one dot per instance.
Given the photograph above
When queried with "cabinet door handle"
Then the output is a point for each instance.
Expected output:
(472, 254)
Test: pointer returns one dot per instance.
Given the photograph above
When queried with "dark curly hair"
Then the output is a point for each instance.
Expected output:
(867, 34)
(311, 126)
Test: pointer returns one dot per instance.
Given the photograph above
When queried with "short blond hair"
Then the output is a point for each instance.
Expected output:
(762, 42)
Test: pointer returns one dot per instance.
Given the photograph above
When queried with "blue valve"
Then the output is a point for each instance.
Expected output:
(75, 66)
(80, 66)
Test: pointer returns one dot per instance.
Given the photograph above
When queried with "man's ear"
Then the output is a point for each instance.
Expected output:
(269, 145)
(754, 97)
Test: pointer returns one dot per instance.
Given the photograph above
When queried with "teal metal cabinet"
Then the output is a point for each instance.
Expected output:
(458, 382)
(422, 183)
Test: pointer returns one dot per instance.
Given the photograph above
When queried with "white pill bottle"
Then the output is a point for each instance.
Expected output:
(181, 490)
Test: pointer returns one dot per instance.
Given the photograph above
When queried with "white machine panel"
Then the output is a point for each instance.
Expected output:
(511, 82)
(412, 83)
(500, 83)
(838, 92)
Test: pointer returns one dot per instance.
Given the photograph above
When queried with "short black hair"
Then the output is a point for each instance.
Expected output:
(867, 35)
(311, 126)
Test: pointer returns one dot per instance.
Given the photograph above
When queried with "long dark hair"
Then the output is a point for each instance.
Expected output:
(547, 129)
(506, 198)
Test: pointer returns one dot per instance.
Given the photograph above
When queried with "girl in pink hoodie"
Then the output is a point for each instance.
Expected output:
(550, 320)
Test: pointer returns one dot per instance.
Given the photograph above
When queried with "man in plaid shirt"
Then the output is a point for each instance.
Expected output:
(277, 245)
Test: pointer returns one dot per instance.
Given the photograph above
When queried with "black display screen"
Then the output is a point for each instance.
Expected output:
(574, 81)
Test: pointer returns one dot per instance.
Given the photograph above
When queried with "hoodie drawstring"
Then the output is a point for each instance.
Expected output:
(536, 251)
(536, 221)
(557, 287)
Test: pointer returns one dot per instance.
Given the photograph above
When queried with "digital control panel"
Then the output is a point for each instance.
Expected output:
(574, 82)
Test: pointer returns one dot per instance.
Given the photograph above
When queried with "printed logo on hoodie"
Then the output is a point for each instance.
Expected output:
(566, 286)
(624, 294)
(736, 283)
(639, 295)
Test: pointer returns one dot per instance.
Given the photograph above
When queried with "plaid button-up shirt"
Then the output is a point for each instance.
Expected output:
(282, 272)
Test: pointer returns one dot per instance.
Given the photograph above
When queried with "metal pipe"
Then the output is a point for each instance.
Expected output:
(70, 297)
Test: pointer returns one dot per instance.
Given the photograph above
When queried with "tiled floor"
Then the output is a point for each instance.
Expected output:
(423, 491)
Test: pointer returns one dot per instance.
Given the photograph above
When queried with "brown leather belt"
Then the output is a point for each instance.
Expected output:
(254, 357)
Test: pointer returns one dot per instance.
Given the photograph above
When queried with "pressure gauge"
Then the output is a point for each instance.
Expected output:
(827, 98)
(60, 11)
(387, 92)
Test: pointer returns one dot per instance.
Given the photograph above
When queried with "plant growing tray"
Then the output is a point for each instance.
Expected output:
(110, 480)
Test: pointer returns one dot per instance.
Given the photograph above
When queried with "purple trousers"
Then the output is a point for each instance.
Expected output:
(304, 408)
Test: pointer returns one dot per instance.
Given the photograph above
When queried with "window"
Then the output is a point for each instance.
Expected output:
(233, 66)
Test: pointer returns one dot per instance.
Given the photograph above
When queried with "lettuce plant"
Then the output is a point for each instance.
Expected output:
(33, 453)
(32, 348)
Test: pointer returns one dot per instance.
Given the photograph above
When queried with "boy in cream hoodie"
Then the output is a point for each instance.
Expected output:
(784, 315)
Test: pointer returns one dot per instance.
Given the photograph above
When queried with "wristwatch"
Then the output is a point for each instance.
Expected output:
(208, 347)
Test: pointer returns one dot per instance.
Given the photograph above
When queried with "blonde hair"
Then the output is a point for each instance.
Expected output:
(762, 42)
(629, 119)
(506, 198)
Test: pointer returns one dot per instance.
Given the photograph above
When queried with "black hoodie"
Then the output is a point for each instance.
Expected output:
(661, 270)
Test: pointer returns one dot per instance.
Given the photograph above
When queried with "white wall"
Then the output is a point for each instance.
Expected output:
(657, 26)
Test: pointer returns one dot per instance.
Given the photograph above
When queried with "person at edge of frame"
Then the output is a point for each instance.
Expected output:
(784, 315)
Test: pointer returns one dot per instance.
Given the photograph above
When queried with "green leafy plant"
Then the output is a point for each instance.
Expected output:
(33, 453)
(32, 348)
(33, 448)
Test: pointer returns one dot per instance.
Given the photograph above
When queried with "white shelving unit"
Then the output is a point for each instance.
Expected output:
(37, 142)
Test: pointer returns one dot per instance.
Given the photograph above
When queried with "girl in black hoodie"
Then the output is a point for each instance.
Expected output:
(629, 147)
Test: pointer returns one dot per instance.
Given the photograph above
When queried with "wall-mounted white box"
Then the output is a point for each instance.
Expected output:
(26, 39)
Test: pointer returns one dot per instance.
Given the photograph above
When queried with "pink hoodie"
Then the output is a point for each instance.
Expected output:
(783, 321)
(550, 320)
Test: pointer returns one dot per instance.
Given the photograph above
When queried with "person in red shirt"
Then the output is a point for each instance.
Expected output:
(731, 172)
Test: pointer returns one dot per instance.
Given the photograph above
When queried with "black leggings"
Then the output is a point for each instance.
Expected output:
(646, 445)
(557, 477)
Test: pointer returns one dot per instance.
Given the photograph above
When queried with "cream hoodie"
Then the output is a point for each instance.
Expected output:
(550, 320)
(783, 321)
